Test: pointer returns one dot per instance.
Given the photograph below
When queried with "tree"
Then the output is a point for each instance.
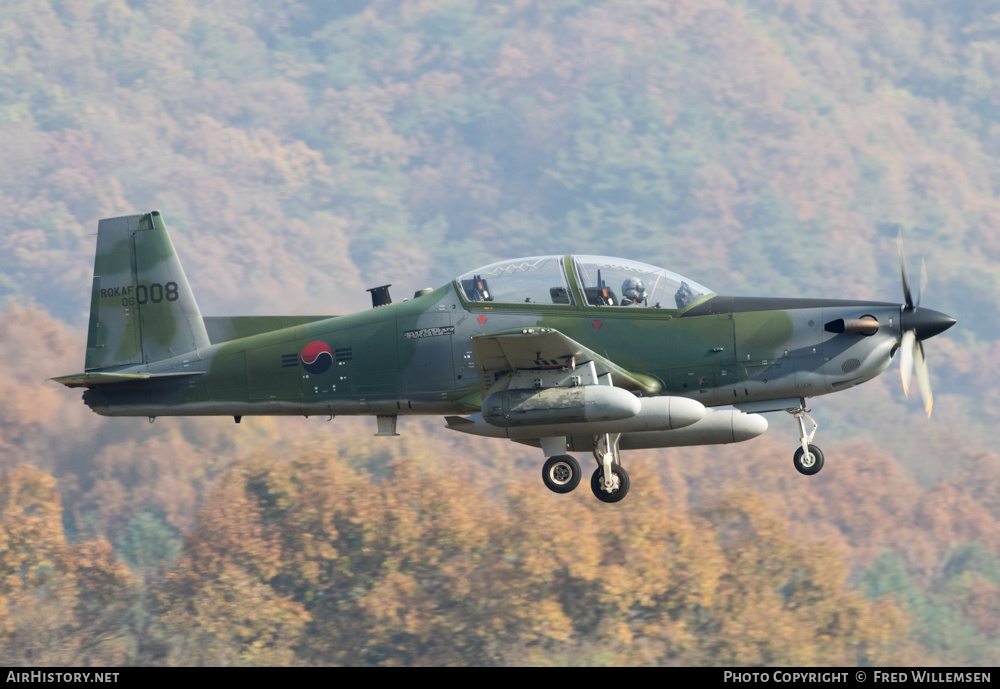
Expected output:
(60, 604)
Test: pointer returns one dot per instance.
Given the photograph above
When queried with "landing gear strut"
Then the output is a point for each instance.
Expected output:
(610, 481)
(808, 459)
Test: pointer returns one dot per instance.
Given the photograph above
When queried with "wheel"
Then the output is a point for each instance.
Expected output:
(561, 473)
(618, 493)
(808, 464)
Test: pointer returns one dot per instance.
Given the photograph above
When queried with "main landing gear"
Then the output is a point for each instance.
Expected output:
(561, 473)
(808, 459)
(609, 482)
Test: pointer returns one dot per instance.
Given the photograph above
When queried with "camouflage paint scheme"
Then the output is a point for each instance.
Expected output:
(718, 354)
(150, 352)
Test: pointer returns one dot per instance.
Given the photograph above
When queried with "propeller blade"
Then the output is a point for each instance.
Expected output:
(917, 325)
(902, 269)
(906, 346)
(923, 378)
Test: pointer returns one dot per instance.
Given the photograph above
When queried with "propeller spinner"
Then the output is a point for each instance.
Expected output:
(917, 324)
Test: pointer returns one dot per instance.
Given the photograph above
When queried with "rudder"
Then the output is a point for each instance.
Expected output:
(141, 309)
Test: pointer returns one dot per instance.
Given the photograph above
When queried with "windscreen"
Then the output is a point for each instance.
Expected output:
(620, 282)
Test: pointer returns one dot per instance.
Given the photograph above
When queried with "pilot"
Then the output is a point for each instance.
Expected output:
(633, 292)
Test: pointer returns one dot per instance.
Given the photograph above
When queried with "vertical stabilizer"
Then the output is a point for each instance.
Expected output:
(141, 306)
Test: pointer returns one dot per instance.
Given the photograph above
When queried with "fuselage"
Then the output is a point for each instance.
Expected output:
(416, 357)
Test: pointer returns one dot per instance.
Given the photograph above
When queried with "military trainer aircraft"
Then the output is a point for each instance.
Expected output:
(566, 353)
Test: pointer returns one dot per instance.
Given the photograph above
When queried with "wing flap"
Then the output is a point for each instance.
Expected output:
(499, 355)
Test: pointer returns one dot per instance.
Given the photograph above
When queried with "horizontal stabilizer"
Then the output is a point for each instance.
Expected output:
(80, 380)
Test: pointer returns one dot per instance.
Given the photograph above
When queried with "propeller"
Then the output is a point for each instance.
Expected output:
(917, 325)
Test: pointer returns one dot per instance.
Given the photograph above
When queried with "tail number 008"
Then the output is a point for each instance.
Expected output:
(156, 293)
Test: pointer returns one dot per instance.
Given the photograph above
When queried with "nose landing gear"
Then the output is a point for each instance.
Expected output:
(808, 459)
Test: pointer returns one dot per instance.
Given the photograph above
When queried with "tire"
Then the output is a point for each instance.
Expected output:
(561, 473)
(808, 465)
(619, 493)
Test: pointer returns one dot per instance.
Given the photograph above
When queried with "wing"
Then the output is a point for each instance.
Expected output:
(499, 355)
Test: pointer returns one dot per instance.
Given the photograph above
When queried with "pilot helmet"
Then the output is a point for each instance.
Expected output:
(632, 289)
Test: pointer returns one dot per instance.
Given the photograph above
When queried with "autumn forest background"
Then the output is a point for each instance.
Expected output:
(304, 151)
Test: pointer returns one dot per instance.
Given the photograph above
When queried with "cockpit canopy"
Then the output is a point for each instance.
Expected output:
(603, 281)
